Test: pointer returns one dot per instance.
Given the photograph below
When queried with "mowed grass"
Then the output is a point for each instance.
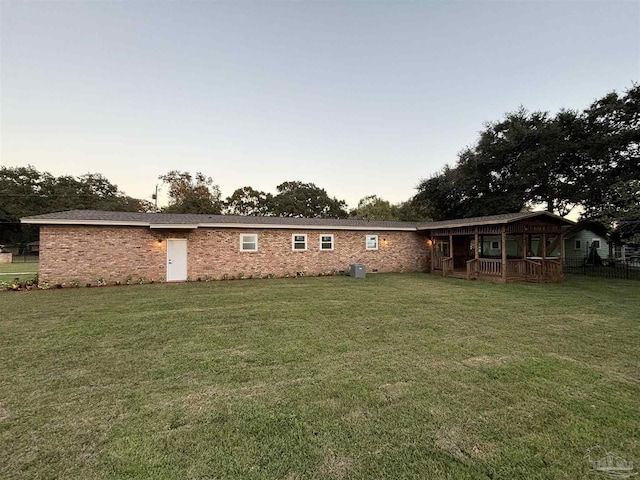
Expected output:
(21, 270)
(397, 376)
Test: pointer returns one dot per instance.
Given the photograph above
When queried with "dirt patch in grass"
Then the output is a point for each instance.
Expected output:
(199, 400)
(4, 412)
(462, 443)
(336, 466)
(489, 361)
(395, 391)
(237, 351)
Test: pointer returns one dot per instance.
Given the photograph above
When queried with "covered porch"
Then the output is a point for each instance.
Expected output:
(519, 247)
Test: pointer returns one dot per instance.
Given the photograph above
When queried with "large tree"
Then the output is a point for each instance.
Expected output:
(248, 201)
(532, 158)
(27, 191)
(191, 193)
(620, 211)
(613, 149)
(413, 211)
(298, 199)
(373, 207)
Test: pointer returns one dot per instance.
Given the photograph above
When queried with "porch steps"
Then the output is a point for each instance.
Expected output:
(460, 275)
(518, 278)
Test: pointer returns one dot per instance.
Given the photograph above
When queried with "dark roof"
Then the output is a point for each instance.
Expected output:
(594, 227)
(491, 220)
(80, 217)
(190, 220)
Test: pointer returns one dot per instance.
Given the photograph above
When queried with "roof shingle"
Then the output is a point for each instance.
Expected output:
(87, 217)
(80, 216)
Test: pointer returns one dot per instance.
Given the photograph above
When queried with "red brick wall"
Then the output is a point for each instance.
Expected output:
(86, 253)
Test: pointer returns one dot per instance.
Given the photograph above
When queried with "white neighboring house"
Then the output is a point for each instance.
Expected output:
(578, 243)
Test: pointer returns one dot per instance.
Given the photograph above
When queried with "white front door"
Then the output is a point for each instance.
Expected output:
(176, 260)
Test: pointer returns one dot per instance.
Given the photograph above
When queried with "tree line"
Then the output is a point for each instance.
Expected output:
(199, 194)
(26, 191)
(587, 159)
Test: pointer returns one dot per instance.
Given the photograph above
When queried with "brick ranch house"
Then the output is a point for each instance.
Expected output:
(87, 245)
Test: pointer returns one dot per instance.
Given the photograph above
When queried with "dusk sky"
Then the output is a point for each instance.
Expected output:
(358, 97)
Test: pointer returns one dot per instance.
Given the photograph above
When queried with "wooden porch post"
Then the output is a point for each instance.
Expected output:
(476, 253)
(451, 245)
(475, 239)
(504, 253)
(433, 254)
(561, 255)
(453, 267)
(544, 254)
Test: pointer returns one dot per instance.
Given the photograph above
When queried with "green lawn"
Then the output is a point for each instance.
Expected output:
(22, 270)
(397, 376)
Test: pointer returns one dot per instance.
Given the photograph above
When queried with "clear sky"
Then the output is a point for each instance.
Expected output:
(360, 97)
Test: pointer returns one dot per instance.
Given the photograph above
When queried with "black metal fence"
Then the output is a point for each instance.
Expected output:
(624, 271)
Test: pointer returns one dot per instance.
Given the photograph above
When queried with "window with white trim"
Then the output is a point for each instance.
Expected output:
(595, 243)
(577, 244)
(371, 242)
(298, 242)
(326, 242)
(248, 242)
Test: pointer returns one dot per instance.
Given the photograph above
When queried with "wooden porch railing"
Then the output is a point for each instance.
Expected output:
(472, 268)
(546, 269)
(523, 268)
(552, 268)
(490, 266)
(447, 265)
(533, 269)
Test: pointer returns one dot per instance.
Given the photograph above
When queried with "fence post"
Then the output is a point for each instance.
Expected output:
(626, 271)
